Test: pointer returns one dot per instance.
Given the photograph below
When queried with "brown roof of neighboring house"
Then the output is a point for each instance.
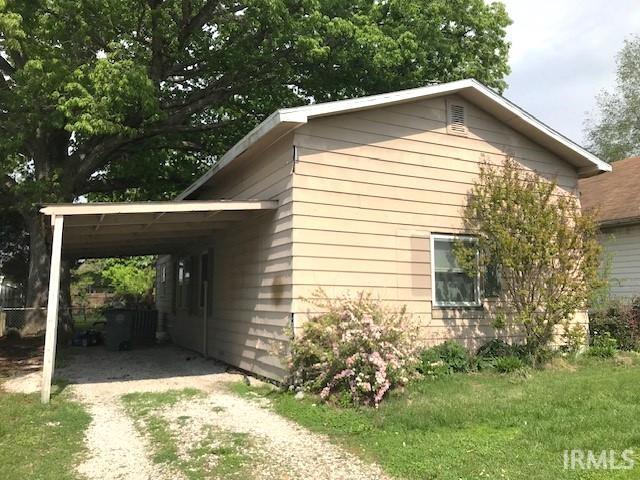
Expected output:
(614, 195)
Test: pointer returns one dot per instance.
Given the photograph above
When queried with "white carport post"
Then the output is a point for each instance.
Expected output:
(57, 221)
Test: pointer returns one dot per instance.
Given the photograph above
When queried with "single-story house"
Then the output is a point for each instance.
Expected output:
(615, 198)
(361, 194)
(370, 193)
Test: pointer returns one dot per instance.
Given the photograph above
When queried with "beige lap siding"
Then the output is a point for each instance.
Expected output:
(621, 247)
(251, 268)
(371, 187)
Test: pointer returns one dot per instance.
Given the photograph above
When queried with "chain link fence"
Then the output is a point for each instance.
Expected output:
(93, 324)
(15, 319)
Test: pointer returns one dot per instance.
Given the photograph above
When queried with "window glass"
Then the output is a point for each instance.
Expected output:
(182, 285)
(452, 285)
(180, 272)
(163, 280)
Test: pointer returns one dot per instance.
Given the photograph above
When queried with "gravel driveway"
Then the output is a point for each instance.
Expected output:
(283, 450)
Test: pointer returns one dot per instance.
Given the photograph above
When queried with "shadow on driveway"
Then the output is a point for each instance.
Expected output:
(95, 371)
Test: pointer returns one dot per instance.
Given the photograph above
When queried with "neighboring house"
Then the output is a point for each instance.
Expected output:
(11, 297)
(615, 197)
(370, 194)
(11, 294)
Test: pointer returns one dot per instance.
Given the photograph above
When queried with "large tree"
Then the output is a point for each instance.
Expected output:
(135, 98)
(613, 132)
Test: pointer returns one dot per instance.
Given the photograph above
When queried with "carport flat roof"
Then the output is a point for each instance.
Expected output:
(93, 230)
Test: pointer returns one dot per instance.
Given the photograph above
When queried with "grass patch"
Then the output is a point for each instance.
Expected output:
(142, 404)
(227, 448)
(40, 441)
(218, 454)
(487, 425)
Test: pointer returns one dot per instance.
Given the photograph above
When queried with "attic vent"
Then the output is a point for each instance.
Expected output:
(457, 121)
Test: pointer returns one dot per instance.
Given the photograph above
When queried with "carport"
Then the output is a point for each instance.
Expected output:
(100, 230)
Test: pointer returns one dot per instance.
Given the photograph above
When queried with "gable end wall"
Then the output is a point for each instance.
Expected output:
(370, 188)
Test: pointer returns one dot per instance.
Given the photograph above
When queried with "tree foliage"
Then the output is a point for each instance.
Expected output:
(114, 87)
(129, 279)
(614, 131)
(134, 99)
(14, 251)
(132, 278)
(543, 247)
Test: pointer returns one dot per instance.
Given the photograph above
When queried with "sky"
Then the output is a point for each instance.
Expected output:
(563, 53)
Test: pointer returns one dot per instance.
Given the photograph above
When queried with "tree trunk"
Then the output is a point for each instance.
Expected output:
(38, 282)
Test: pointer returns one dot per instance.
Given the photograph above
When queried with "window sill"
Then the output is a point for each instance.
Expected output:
(457, 307)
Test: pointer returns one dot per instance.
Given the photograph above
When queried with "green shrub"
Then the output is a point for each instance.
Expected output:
(431, 364)
(620, 319)
(574, 338)
(497, 348)
(443, 359)
(603, 346)
(508, 364)
(489, 354)
(355, 352)
(494, 348)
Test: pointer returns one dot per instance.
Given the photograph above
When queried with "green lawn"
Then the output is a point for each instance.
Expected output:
(40, 441)
(489, 425)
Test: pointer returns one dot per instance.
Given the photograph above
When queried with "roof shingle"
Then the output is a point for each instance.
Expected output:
(614, 195)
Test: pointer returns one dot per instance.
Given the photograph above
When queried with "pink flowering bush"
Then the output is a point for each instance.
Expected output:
(355, 352)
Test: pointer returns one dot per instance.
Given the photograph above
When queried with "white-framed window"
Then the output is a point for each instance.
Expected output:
(451, 286)
(182, 284)
(163, 279)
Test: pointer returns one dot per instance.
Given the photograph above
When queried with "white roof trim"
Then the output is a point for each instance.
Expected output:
(298, 116)
(157, 207)
(247, 141)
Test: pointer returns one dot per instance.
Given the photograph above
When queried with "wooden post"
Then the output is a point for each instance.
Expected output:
(52, 309)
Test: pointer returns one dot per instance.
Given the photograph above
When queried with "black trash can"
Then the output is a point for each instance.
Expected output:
(119, 328)
(127, 328)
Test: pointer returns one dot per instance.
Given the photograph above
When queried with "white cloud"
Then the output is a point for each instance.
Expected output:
(563, 54)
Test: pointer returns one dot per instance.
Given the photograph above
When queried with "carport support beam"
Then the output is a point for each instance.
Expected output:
(52, 309)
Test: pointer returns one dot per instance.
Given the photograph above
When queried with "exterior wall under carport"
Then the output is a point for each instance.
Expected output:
(249, 270)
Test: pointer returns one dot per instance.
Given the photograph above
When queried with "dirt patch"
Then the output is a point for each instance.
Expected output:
(20, 356)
